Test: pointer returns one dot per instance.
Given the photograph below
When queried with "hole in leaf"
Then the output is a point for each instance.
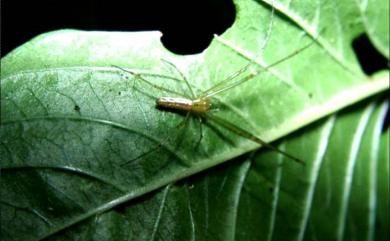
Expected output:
(369, 58)
(190, 25)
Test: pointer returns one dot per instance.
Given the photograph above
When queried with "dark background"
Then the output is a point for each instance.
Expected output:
(187, 25)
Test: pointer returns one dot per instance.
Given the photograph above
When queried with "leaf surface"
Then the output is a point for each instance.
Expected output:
(80, 137)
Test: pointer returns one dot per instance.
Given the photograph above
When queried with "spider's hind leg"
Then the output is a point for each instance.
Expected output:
(200, 132)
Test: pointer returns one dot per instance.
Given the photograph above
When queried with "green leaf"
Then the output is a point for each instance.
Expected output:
(377, 25)
(86, 155)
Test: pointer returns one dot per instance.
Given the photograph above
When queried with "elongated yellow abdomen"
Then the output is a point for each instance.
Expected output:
(197, 106)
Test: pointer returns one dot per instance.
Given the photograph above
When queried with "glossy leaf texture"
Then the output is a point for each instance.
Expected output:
(86, 155)
(261, 196)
